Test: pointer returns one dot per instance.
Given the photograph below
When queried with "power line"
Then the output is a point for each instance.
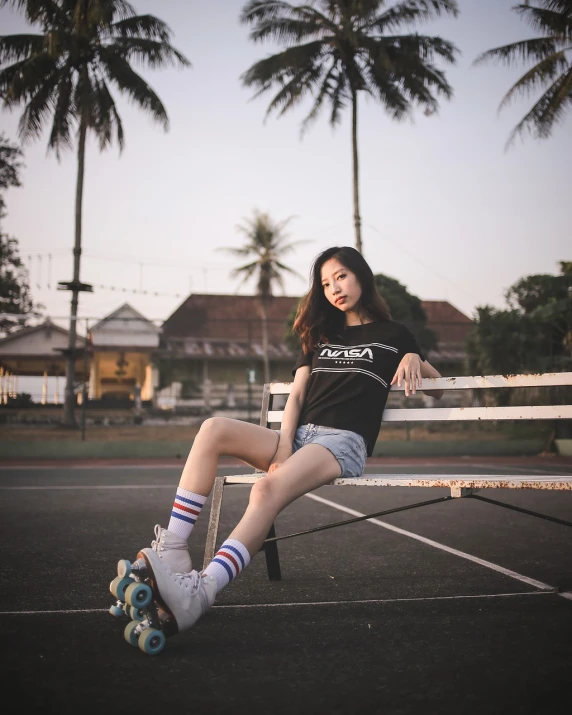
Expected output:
(425, 265)
(136, 291)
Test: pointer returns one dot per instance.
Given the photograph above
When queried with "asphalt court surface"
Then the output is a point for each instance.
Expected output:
(457, 607)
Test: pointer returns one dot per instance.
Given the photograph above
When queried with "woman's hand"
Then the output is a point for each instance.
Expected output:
(282, 454)
(409, 371)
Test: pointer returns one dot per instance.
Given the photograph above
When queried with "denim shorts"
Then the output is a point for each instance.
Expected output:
(347, 447)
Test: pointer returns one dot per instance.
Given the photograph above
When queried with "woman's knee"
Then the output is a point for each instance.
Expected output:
(263, 492)
(214, 428)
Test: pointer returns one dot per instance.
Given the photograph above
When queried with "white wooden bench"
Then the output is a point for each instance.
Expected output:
(460, 485)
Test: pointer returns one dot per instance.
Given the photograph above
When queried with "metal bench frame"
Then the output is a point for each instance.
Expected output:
(460, 485)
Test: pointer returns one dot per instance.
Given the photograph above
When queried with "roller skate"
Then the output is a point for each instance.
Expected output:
(149, 625)
(172, 550)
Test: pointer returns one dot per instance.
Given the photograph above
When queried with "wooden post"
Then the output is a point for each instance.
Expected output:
(45, 388)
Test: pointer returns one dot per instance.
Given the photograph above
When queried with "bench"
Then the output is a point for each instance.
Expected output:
(459, 485)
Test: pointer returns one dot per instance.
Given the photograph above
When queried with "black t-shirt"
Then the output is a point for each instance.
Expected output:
(350, 377)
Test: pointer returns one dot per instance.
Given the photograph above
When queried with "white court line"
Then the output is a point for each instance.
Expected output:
(59, 468)
(437, 545)
(93, 486)
(302, 603)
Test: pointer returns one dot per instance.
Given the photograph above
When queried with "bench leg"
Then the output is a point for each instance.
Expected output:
(459, 492)
(212, 532)
(272, 558)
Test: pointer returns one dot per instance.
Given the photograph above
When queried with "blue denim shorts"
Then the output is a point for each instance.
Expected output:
(347, 447)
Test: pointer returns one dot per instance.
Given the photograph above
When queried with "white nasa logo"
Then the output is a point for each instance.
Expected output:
(348, 353)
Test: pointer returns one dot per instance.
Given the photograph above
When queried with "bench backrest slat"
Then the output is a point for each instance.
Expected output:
(441, 414)
(468, 383)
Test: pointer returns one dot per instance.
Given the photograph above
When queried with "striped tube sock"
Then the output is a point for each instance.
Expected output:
(186, 509)
(228, 562)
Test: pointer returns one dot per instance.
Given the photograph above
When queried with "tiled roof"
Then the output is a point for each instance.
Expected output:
(227, 349)
(225, 325)
(450, 324)
(228, 316)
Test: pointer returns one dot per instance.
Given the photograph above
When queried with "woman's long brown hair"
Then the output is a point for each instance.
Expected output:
(317, 320)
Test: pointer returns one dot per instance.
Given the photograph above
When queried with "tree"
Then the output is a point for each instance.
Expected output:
(266, 244)
(10, 165)
(63, 76)
(336, 49)
(533, 335)
(407, 308)
(551, 70)
(15, 296)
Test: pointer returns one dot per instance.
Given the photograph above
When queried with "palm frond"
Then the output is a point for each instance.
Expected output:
(411, 11)
(536, 49)
(47, 12)
(142, 26)
(327, 89)
(242, 252)
(38, 109)
(297, 71)
(63, 116)
(104, 116)
(245, 273)
(537, 77)
(14, 48)
(550, 21)
(547, 111)
(153, 53)
(339, 97)
(400, 71)
(271, 20)
(264, 11)
(133, 85)
(287, 269)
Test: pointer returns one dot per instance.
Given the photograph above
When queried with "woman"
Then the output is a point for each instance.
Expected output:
(352, 352)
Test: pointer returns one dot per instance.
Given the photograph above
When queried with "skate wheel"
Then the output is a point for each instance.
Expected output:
(123, 568)
(135, 614)
(118, 587)
(116, 611)
(138, 594)
(129, 633)
(151, 641)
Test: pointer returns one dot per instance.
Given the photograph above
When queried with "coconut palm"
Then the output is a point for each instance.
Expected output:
(265, 245)
(551, 70)
(63, 77)
(335, 49)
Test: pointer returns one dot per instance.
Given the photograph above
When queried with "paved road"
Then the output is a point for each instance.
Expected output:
(458, 607)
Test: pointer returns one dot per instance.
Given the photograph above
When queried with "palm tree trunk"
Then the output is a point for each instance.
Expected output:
(265, 342)
(357, 218)
(69, 419)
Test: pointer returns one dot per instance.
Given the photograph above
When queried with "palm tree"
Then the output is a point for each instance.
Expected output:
(338, 48)
(551, 71)
(265, 245)
(63, 76)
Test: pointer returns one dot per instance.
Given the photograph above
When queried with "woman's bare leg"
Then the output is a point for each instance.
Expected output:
(307, 469)
(222, 436)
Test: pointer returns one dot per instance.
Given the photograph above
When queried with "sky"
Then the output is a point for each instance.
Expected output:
(446, 210)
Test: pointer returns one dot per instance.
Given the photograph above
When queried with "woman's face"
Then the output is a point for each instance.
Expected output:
(341, 286)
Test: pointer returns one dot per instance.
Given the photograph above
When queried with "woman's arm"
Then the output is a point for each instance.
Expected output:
(427, 370)
(290, 417)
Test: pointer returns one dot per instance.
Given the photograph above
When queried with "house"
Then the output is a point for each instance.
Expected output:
(37, 351)
(122, 348)
(208, 352)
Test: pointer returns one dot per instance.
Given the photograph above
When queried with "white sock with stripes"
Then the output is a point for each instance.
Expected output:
(186, 509)
(228, 562)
